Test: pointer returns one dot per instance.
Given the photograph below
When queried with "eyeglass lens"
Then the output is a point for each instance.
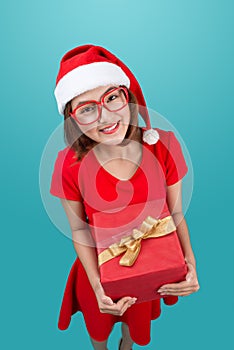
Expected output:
(112, 101)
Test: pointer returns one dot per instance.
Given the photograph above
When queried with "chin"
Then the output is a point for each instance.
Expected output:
(114, 141)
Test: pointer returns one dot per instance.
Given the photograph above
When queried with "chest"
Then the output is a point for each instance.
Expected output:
(136, 183)
(122, 169)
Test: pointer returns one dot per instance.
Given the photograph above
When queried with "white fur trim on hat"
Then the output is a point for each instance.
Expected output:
(88, 77)
(150, 136)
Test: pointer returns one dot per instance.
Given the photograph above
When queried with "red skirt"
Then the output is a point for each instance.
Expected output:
(79, 296)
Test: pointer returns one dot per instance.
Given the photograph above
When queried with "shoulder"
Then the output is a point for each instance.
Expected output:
(167, 148)
(164, 135)
(67, 158)
(66, 163)
(64, 182)
(164, 139)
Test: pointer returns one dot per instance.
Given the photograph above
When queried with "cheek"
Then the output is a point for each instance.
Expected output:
(87, 129)
(125, 115)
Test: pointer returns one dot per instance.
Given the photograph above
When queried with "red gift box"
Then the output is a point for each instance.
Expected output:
(160, 260)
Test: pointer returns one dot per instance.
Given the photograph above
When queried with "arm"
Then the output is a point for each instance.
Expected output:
(85, 249)
(190, 285)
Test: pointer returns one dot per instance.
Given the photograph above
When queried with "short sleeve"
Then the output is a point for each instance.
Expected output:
(176, 167)
(64, 183)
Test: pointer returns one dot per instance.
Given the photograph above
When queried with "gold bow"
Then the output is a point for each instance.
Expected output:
(131, 245)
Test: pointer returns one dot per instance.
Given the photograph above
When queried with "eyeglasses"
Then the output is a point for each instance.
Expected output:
(90, 111)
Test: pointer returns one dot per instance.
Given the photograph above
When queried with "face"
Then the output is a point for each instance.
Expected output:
(111, 127)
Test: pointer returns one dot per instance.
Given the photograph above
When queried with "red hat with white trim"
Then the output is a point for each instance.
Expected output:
(87, 67)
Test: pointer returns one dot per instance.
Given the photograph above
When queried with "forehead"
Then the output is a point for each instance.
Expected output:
(93, 94)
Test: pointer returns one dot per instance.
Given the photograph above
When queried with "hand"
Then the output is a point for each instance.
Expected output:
(184, 288)
(106, 304)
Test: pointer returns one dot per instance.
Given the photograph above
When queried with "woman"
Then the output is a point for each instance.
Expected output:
(105, 166)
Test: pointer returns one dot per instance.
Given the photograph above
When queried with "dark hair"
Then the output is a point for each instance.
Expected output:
(81, 143)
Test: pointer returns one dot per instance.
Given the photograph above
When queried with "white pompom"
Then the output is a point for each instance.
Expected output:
(150, 136)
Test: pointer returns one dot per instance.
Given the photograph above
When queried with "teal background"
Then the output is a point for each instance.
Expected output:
(182, 53)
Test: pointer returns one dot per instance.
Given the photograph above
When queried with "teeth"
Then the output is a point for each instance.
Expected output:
(111, 128)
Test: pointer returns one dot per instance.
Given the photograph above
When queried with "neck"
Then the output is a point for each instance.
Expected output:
(125, 150)
(116, 151)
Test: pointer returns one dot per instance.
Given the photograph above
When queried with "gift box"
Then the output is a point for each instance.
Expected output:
(138, 251)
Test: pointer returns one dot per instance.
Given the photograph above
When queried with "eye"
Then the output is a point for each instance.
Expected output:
(86, 109)
(113, 97)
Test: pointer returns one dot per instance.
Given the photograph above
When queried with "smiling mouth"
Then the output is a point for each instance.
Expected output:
(110, 129)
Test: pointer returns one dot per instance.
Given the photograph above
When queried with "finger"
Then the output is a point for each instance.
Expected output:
(123, 304)
(125, 301)
(118, 308)
(125, 307)
(179, 290)
(109, 311)
(115, 311)
(182, 284)
(178, 294)
(190, 289)
(179, 287)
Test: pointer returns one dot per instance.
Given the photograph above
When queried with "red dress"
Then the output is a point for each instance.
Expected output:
(162, 165)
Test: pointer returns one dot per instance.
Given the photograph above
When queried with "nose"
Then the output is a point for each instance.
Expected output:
(105, 116)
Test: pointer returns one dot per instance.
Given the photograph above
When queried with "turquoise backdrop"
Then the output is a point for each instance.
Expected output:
(182, 53)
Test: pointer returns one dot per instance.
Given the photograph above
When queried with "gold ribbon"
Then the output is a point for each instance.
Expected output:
(131, 245)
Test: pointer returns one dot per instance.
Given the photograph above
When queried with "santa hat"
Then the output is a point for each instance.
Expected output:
(87, 67)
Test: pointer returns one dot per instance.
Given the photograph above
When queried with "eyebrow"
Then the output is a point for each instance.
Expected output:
(82, 102)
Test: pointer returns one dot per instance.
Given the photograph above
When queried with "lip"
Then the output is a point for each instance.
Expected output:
(107, 132)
